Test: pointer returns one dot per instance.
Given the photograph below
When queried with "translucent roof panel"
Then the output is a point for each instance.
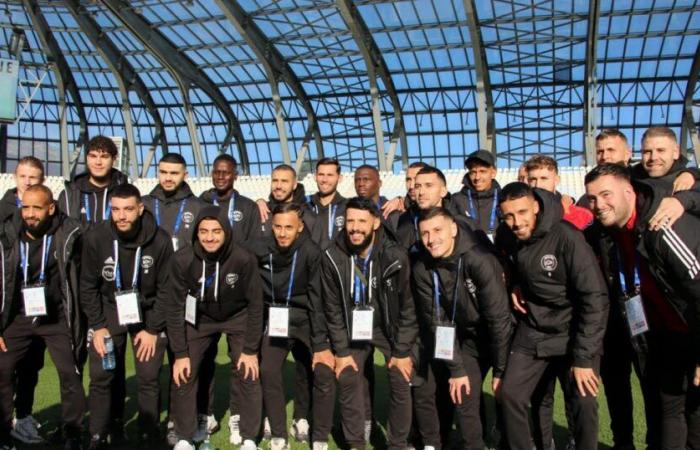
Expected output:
(274, 81)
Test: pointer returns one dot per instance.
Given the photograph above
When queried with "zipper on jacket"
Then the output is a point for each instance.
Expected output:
(342, 292)
(68, 293)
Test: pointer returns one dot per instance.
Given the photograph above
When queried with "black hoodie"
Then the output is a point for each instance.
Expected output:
(482, 317)
(306, 318)
(308, 215)
(567, 303)
(391, 295)
(8, 204)
(97, 274)
(83, 201)
(244, 215)
(485, 205)
(330, 218)
(169, 209)
(239, 287)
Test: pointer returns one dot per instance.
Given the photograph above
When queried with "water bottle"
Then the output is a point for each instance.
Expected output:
(206, 445)
(109, 362)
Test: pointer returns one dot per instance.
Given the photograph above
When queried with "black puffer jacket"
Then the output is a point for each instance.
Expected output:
(9, 203)
(87, 203)
(566, 294)
(239, 287)
(482, 318)
(483, 205)
(391, 294)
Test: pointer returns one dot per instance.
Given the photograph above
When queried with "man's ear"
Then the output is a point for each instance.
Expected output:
(376, 224)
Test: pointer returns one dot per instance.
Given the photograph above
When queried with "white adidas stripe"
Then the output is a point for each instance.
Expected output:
(679, 248)
(684, 248)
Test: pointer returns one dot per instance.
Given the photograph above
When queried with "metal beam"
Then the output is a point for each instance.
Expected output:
(276, 69)
(64, 80)
(186, 73)
(126, 77)
(484, 97)
(376, 66)
(590, 107)
(689, 128)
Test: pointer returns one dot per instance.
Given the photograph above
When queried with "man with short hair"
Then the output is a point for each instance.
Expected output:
(611, 146)
(654, 284)
(39, 247)
(368, 304)
(215, 290)
(478, 198)
(567, 307)
(123, 289)
(367, 186)
(460, 291)
(327, 203)
(87, 197)
(28, 172)
(284, 188)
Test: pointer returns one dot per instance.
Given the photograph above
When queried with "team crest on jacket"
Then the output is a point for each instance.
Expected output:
(339, 221)
(549, 263)
(187, 218)
(469, 284)
(231, 279)
(237, 216)
(146, 262)
(108, 269)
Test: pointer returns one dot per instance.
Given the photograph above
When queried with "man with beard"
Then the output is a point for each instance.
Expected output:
(367, 186)
(653, 280)
(241, 211)
(463, 309)
(38, 247)
(123, 288)
(327, 203)
(87, 197)
(244, 218)
(284, 188)
(478, 198)
(567, 307)
(368, 304)
(216, 290)
(29, 172)
(289, 264)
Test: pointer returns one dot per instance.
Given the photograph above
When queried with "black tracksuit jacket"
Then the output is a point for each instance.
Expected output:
(567, 302)
(326, 219)
(245, 215)
(8, 204)
(306, 307)
(239, 287)
(482, 319)
(391, 294)
(66, 244)
(169, 207)
(308, 216)
(483, 204)
(97, 274)
(80, 197)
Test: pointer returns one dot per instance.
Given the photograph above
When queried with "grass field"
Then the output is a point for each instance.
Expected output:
(47, 406)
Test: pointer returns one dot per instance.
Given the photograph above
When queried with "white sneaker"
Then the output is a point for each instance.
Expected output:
(267, 429)
(249, 444)
(278, 444)
(322, 446)
(170, 435)
(300, 430)
(26, 430)
(235, 432)
(368, 430)
(183, 445)
(212, 424)
(428, 447)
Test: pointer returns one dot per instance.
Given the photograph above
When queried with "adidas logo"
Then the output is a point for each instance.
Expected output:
(109, 260)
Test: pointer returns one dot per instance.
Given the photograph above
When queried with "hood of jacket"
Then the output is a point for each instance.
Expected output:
(213, 212)
(82, 181)
(298, 196)
(639, 172)
(551, 212)
(183, 191)
(147, 230)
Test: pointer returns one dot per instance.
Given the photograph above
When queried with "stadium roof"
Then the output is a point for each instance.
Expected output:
(366, 81)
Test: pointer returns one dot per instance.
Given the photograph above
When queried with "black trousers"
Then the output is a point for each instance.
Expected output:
(273, 355)
(18, 336)
(616, 369)
(542, 403)
(102, 415)
(27, 377)
(523, 373)
(672, 368)
(353, 403)
(184, 408)
(323, 403)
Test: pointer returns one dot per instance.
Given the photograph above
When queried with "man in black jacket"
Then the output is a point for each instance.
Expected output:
(567, 309)
(284, 188)
(367, 186)
(289, 265)
(655, 275)
(123, 288)
(215, 289)
(87, 197)
(368, 304)
(462, 301)
(327, 203)
(39, 280)
(478, 198)
(29, 172)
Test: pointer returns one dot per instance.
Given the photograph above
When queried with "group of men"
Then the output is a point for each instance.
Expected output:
(522, 280)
